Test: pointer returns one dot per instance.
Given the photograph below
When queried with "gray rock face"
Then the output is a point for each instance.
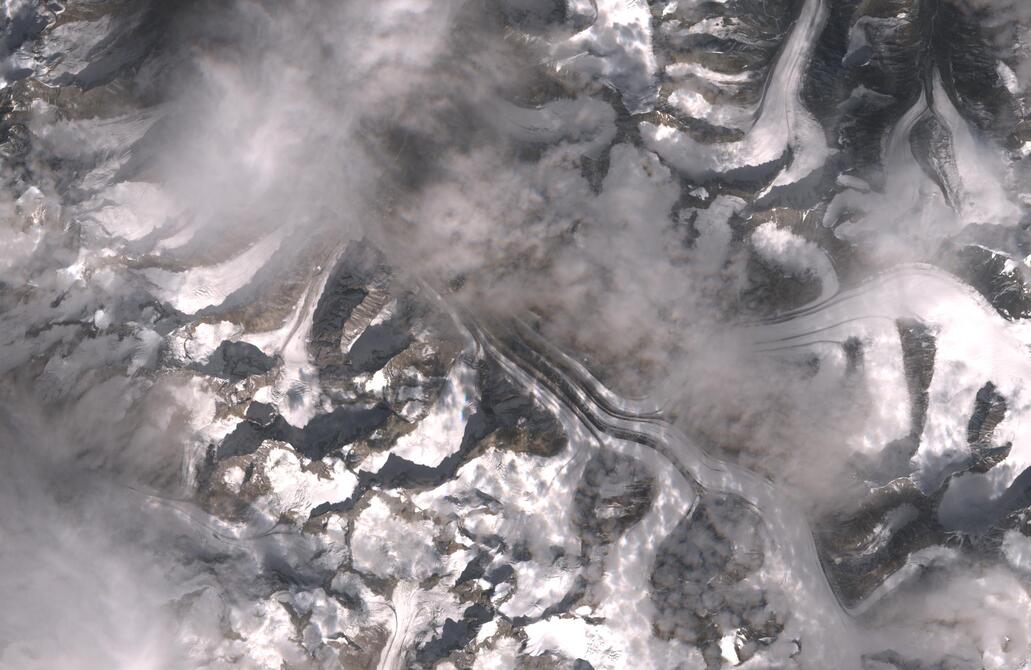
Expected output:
(699, 580)
(236, 361)
(318, 320)
(359, 270)
(614, 494)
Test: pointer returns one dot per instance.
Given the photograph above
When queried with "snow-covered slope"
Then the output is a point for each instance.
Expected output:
(518, 334)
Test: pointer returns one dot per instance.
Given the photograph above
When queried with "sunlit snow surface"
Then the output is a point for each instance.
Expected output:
(515, 334)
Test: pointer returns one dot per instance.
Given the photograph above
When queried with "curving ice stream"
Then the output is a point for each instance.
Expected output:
(553, 334)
